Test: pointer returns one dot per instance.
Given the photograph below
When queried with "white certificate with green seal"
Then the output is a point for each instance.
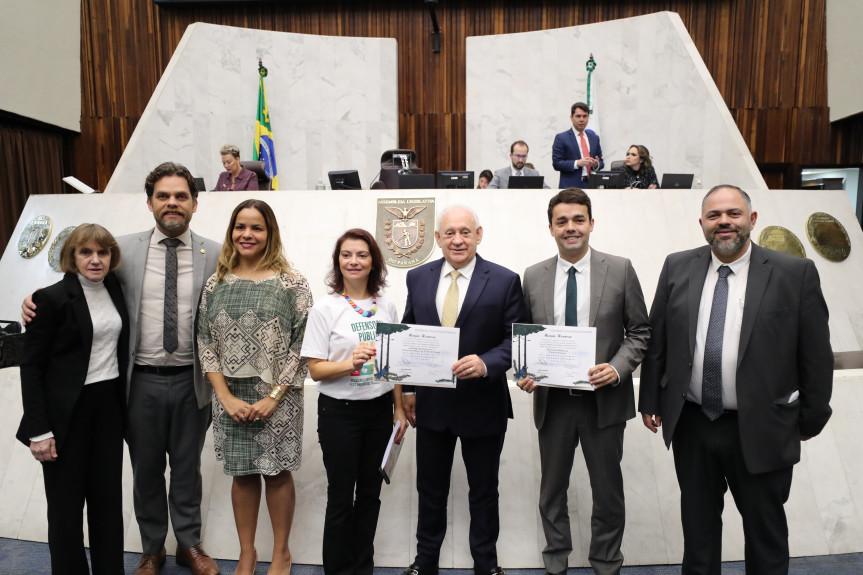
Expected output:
(416, 354)
(554, 355)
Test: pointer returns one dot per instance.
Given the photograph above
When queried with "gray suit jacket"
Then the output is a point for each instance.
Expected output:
(134, 248)
(784, 347)
(501, 177)
(618, 313)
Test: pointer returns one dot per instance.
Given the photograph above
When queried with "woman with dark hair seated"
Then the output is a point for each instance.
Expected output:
(356, 412)
(638, 170)
(485, 178)
(235, 178)
(73, 385)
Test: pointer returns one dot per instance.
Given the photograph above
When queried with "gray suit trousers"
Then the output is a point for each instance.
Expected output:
(571, 420)
(164, 418)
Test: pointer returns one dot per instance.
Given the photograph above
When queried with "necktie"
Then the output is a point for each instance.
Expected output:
(571, 316)
(711, 383)
(169, 329)
(450, 302)
(585, 151)
(518, 173)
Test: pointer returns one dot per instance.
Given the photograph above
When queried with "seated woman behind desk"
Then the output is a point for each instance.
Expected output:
(638, 170)
(236, 178)
(73, 384)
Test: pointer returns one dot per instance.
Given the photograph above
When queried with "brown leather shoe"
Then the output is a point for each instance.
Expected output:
(196, 559)
(150, 564)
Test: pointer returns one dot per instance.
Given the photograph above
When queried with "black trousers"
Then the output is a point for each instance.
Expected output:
(89, 467)
(708, 459)
(353, 437)
(481, 455)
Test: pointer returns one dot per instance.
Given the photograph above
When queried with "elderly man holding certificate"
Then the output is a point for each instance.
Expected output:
(483, 300)
(583, 287)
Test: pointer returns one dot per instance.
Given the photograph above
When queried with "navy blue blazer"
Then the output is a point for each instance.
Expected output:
(56, 356)
(494, 301)
(565, 151)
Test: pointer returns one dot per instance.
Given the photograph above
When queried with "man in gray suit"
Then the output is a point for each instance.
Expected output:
(517, 155)
(581, 286)
(168, 395)
(739, 371)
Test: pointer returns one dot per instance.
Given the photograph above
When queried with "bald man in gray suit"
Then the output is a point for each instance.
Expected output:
(581, 286)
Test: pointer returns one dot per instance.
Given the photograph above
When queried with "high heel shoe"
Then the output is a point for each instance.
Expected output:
(254, 566)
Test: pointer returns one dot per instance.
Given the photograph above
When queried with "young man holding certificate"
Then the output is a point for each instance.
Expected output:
(483, 300)
(584, 287)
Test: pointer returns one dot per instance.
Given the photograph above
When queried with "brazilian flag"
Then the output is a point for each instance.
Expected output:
(264, 149)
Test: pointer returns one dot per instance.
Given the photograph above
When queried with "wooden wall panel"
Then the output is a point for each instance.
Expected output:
(767, 58)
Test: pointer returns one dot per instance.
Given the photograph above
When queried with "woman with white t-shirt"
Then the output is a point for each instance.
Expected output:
(356, 413)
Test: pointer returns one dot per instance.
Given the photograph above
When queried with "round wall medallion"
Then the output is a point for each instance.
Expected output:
(57, 247)
(828, 237)
(34, 237)
(782, 240)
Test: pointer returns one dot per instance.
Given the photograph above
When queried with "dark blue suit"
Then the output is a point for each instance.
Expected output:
(566, 150)
(476, 412)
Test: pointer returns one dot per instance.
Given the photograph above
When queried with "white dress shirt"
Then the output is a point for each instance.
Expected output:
(150, 350)
(583, 169)
(463, 282)
(737, 280)
(582, 282)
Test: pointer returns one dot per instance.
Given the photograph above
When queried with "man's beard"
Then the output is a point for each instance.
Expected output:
(731, 247)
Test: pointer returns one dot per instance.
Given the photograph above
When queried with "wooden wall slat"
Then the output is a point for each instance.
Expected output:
(767, 58)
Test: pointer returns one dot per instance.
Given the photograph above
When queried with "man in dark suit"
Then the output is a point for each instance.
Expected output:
(483, 300)
(576, 151)
(602, 292)
(739, 370)
(168, 396)
(518, 156)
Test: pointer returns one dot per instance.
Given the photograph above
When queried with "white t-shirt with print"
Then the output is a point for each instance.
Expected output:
(333, 330)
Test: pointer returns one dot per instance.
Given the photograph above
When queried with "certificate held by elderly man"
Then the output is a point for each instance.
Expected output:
(416, 354)
(554, 355)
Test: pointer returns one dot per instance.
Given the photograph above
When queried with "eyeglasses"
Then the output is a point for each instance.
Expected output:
(520, 156)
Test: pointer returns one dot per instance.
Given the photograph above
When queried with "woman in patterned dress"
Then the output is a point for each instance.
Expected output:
(250, 332)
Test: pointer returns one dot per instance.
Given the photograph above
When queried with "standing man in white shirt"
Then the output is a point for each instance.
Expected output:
(584, 287)
(576, 151)
(738, 372)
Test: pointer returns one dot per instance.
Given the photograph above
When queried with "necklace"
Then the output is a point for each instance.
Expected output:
(361, 311)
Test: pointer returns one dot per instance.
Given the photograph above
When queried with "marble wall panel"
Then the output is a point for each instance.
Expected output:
(823, 509)
(333, 105)
(644, 225)
(650, 87)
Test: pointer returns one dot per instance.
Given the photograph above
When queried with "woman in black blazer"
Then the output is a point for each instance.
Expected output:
(73, 387)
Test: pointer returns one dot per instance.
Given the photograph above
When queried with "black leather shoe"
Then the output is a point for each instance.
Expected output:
(415, 569)
(550, 573)
(493, 571)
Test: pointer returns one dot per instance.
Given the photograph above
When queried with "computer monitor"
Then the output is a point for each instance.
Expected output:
(461, 180)
(606, 180)
(199, 182)
(680, 181)
(525, 182)
(345, 180)
(416, 181)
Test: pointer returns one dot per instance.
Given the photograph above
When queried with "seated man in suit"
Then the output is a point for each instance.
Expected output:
(483, 300)
(576, 151)
(738, 372)
(581, 286)
(518, 156)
